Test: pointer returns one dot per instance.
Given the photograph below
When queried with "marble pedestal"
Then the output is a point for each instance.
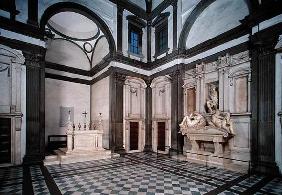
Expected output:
(221, 154)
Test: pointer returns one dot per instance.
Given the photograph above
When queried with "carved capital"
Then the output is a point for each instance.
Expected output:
(224, 61)
(148, 82)
(119, 77)
(176, 73)
(33, 60)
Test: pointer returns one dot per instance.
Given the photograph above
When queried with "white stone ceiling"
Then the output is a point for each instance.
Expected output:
(77, 42)
(73, 25)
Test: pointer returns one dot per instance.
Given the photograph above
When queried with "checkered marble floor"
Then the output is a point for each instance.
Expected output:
(11, 180)
(137, 173)
(38, 181)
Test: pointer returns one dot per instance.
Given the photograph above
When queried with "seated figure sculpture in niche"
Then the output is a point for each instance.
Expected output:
(212, 103)
(218, 120)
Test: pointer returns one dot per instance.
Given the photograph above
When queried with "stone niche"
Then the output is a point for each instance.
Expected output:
(161, 113)
(231, 75)
(134, 114)
(12, 101)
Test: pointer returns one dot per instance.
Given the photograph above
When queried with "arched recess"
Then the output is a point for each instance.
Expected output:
(161, 114)
(197, 11)
(134, 95)
(68, 53)
(75, 7)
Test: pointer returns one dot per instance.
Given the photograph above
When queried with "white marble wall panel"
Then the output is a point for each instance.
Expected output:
(5, 89)
(100, 103)
(13, 102)
(232, 74)
(64, 94)
(240, 143)
(161, 109)
(134, 110)
(134, 96)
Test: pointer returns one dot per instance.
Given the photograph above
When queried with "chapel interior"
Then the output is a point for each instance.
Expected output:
(140, 97)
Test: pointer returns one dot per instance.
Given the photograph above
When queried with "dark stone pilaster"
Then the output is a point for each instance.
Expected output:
(177, 140)
(119, 28)
(35, 107)
(148, 6)
(116, 111)
(149, 38)
(148, 119)
(263, 104)
(33, 12)
(174, 5)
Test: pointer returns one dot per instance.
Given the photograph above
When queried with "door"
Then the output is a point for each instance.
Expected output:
(161, 136)
(5, 140)
(134, 129)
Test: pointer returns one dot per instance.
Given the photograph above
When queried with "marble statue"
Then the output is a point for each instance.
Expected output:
(222, 121)
(219, 120)
(215, 127)
(212, 103)
(193, 121)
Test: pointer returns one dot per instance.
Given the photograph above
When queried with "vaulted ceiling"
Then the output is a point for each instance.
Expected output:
(78, 42)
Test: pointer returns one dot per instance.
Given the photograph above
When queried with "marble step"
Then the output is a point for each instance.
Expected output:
(51, 160)
(81, 156)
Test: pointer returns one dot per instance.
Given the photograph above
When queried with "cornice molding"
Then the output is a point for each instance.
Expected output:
(22, 28)
(131, 7)
(176, 68)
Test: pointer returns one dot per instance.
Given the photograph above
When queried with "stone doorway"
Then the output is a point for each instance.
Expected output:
(134, 131)
(161, 136)
(5, 140)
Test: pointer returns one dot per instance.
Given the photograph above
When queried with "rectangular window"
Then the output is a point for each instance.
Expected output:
(162, 38)
(135, 40)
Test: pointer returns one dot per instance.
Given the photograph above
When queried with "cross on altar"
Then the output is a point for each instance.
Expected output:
(85, 114)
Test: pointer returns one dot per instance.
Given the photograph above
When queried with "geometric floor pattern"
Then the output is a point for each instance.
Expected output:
(11, 180)
(137, 173)
(38, 181)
